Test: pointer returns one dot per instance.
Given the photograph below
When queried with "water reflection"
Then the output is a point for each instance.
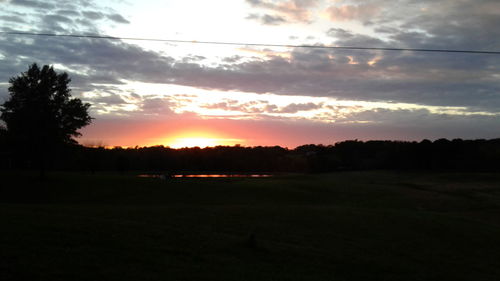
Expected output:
(205, 176)
(221, 176)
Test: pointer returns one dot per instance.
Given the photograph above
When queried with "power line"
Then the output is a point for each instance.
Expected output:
(251, 44)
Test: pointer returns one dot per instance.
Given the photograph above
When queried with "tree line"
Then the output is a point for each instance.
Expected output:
(442, 154)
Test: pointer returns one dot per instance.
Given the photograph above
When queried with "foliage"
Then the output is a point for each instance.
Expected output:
(40, 109)
(442, 154)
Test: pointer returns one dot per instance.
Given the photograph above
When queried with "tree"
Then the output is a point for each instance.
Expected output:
(40, 113)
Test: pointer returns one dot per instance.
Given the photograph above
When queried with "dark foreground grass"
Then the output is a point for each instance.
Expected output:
(345, 226)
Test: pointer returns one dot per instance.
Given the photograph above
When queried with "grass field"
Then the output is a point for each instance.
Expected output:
(342, 226)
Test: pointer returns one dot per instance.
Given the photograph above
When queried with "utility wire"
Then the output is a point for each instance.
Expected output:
(251, 44)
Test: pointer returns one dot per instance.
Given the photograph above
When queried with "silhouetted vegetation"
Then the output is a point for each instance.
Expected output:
(40, 116)
(442, 154)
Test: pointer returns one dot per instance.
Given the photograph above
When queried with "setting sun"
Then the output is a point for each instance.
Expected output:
(199, 139)
(192, 142)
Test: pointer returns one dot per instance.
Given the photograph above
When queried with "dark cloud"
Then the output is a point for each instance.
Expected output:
(347, 38)
(15, 19)
(340, 33)
(33, 4)
(108, 100)
(232, 59)
(57, 18)
(117, 18)
(296, 107)
(93, 15)
(267, 19)
(272, 20)
(68, 13)
(385, 29)
(427, 80)
(157, 106)
(444, 24)
(420, 123)
(448, 81)
(65, 17)
(193, 58)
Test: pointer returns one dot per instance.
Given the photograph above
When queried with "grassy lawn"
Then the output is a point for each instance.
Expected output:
(343, 226)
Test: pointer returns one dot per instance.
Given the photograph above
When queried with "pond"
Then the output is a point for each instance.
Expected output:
(205, 176)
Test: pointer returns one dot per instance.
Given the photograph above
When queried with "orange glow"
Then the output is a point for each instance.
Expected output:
(267, 53)
(199, 139)
(374, 61)
(144, 133)
(351, 60)
(192, 142)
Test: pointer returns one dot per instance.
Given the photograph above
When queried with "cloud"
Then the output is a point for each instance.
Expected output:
(446, 24)
(65, 17)
(287, 11)
(425, 79)
(232, 59)
(251, 108)
(397, 77)
(267, 19)
(421, 79)
(13, 18)
(347, 38)
(263, 107)
(68, 13)
(108, 100)
(421, 123)
(272, 20)
(467, 81)
(296, 107)
(93, 15)
(157, 106)
(117, 18)
(340, 33)
(193, 58)
(360, 12)
(58, 18)
(33, 4)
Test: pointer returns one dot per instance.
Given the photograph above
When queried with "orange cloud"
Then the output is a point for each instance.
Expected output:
(293, 10)
(267, 52)
(353, 12)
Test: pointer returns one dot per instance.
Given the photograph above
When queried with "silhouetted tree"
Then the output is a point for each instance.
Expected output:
(3, 136)
(40, 113)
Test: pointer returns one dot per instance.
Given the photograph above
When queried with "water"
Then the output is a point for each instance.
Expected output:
(206, 176)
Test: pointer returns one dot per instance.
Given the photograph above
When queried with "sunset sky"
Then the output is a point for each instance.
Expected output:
(183, 94)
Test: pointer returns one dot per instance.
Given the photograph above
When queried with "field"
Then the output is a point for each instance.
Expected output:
(341, 226)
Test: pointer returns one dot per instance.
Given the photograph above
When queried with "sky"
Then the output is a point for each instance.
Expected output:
(145, 93)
